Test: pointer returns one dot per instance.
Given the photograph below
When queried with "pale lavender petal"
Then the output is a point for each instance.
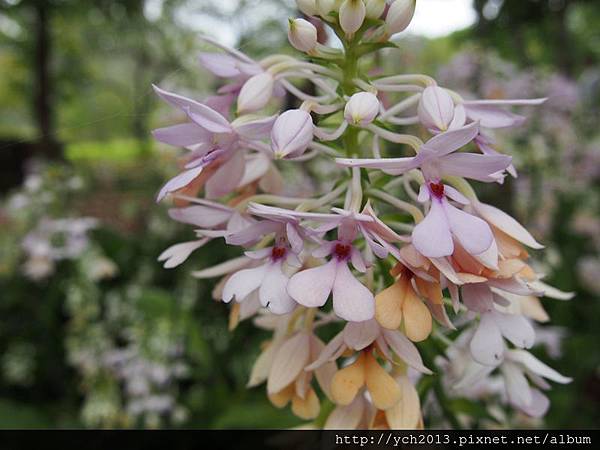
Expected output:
(176, 100)
(473, 233)
(227, 177)
(220, 103)
(201, 215)
(311, 287)
(209, 119)
(478, 297)
(531, 363)
(352, 301)
(242, 283)
(289, 361)
(294, 237)
(539, 404)
(255, 128)
(183, 135)
(487, 346)
(359, 335)
(460, 118)
(455, 195)
(506, 223)
(490, 116)
(178, 253)
(451, 141)
(179, 182)
(405, 349)
(474, 166)
(220, 64)
(357, 260)
(431, 237)
(272, 292)
(516, 328)
(517, 386)
(329, 352)
(250, 234)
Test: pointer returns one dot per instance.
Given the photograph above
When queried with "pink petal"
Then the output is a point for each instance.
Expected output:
(209, 119)
(359, 335)
(351, 300)
(227, 177)
(242, 283)
(256, 167)
(292, 133)
(201, 216)
(311, 287)
(474, 166)
(176, 100)
(487, 346)
(346, 417)
(178, 253)
(254, 129)
(273, 293)
(451, 141)
(330, 352)
(179, 182)
(517, 386)
(478, 297)
(288, 362)
(473, 233)
(490, 116)
(506, 223)
(431, 237)
(393, 166)
(405, 349)
(516, 329)
(531, 363)
(220, 64)
(183, 135)
(539, 404)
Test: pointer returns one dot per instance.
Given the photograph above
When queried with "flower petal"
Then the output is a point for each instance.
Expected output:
(347, 382)
(227, 177)
(178, 253)
(242, 283)
(474, 166)
(536, 366)
(352, 301)
(388, 305)
(311, 287)
(384, 390)
(359, 335)
(346, 417)
(182, 135)
(417, 318)
(487, 346)
(516, 328)
(288, 362)
(209, 119)
(406, 414)
(450, 141)
(273, 293)
(179, 182)
(473, 233)
(405, 349)
(431, 237)
(506, 223)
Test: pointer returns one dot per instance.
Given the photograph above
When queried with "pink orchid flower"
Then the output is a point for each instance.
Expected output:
(211, 139)
(269, 279)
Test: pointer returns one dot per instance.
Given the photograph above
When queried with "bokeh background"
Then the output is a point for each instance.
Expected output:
(95, 333)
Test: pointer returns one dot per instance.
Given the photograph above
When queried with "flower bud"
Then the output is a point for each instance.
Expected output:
(302, 35)
(400, 15)
(436, 108)
(375, 8)
(361, 109)
(292, 133)
(255, 93)
(308, 7)
(352, 15)
(324, 7)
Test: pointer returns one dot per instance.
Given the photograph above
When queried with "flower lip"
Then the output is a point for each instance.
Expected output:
(278, 253)
(437, 189)
(342, 251)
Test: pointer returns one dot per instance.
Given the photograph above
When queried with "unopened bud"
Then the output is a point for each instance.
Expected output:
(436, 108)
(324, 7)
(302, 35)
(292, 133)
(352, 15)
(361, 109)
(399, 15)
(308, 7)
(375, 8)
(255, 93)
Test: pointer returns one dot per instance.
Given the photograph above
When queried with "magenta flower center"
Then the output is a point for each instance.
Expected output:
(278, 253)
(342, 251)
(437, 189)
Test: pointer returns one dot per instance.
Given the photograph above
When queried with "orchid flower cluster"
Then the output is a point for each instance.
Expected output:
(399, 238)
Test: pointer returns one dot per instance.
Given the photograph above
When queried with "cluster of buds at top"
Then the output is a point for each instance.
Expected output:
(398, 238)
